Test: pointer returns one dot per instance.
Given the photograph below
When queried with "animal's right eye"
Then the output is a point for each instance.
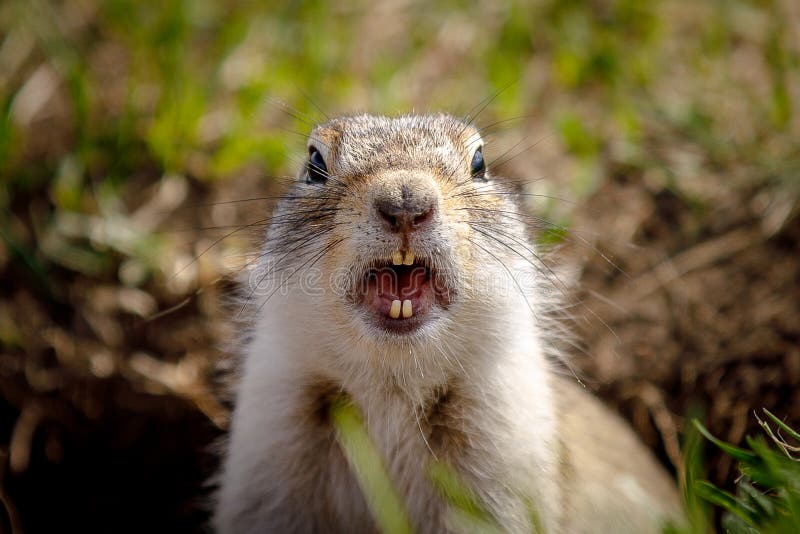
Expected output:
(316, 170)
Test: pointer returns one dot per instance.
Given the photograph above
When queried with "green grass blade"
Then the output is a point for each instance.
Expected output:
(697, 510)
(727, 501)
(783, 426)
(385, 504)
(765, 506)
(740, 454)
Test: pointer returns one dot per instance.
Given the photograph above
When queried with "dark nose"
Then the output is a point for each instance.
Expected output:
(406, 214)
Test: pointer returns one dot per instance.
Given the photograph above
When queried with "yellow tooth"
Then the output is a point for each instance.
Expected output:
(409, 259)
(394, 311)
(407, 311)
(397, 258)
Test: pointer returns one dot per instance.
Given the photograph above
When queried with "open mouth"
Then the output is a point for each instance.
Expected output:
(400, 293)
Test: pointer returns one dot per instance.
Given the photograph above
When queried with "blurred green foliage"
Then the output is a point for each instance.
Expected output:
(195, 83)
(100, 95)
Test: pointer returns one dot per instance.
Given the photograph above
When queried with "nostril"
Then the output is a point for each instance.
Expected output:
(389, 213)
(389, 218)
(424, 217)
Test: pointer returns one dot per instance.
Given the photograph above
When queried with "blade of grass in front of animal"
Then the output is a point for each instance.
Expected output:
(369, 469)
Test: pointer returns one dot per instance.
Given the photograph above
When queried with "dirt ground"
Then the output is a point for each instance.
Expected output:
(700, 319)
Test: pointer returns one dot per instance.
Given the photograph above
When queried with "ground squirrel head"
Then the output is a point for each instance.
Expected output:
(406, 230)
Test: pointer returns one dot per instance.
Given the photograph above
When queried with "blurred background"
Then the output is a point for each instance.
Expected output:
(138, 140)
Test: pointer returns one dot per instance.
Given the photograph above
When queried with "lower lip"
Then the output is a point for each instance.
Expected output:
(378, 306)
(399, 326)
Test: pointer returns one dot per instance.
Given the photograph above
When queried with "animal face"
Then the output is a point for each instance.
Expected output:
(397, 215)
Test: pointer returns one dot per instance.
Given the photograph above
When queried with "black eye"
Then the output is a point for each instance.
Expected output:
(317, 171)
(478, 169)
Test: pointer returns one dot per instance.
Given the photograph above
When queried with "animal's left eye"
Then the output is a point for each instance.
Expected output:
(478, 168)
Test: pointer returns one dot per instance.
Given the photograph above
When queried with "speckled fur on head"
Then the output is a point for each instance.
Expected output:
(470, 385)
(331, 227)
(360, 145)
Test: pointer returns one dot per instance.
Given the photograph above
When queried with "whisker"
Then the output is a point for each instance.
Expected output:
(472, 115)
(483, 129)
(305, 136)
(260, 198)
(311, 101)
(212, 245)
(494, 229)
(265, 221)
(520, 217)
(511, 274)
(513, 194)
(563, 289)
(316, 258)
(291, 111)
(503, 160)
(273, 268)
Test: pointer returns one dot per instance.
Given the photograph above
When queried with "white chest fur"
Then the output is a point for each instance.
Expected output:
(478, 400)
